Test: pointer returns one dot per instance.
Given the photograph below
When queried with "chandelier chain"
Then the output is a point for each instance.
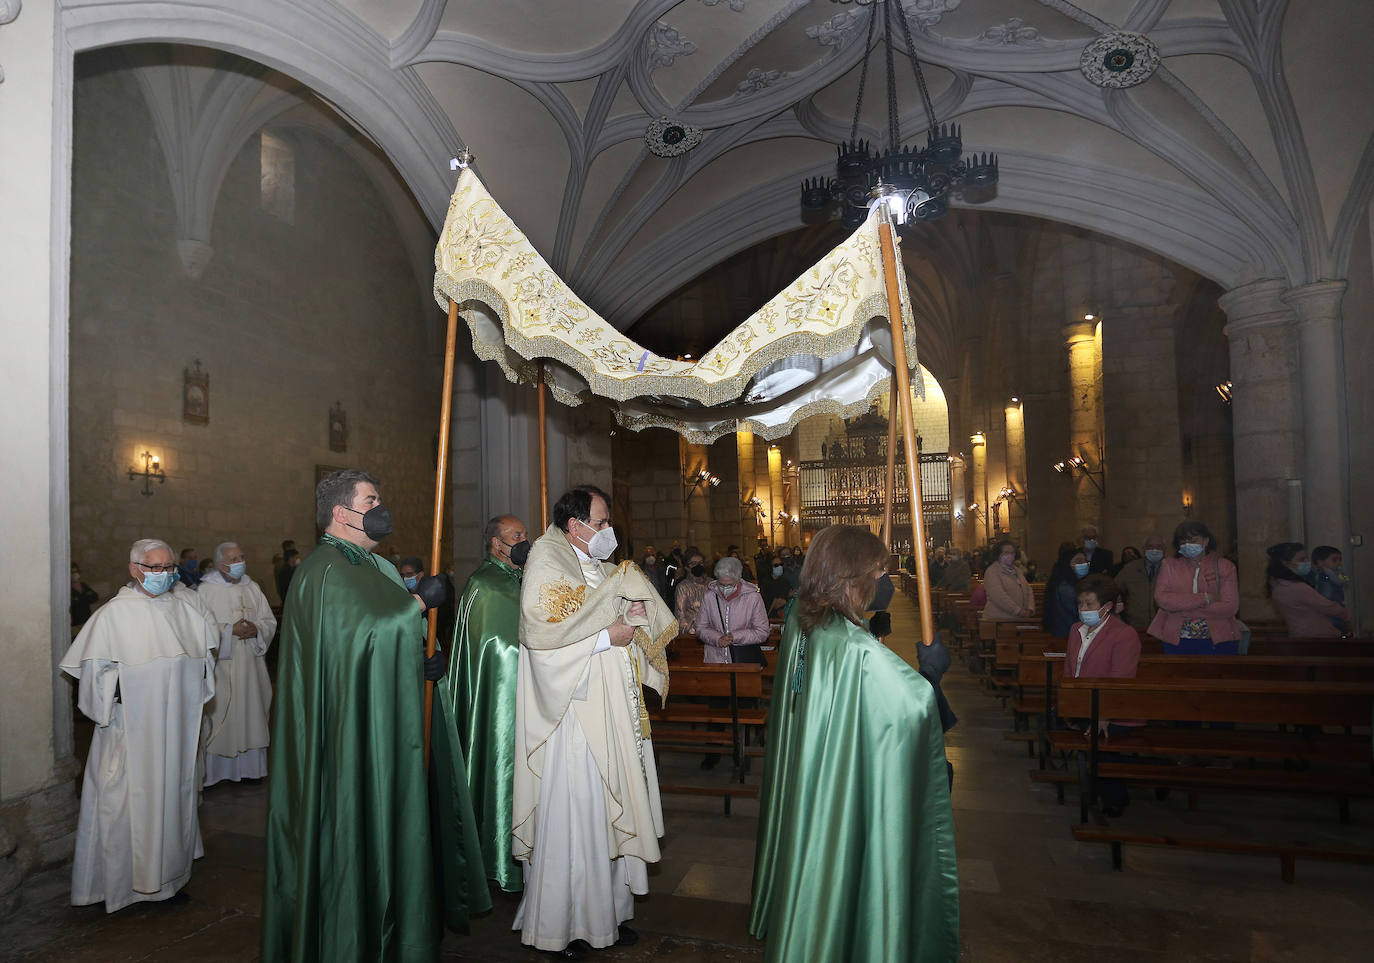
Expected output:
(893, 133)
(863, 75)
(916, 65)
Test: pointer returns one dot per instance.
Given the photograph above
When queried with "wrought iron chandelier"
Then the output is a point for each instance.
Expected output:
(916, 183)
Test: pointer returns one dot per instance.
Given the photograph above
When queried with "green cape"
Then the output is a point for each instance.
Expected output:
(855, 856)
(350, 851)
(479, 696)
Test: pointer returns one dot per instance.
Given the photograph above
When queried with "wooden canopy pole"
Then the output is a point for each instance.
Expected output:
(543, 456)
(440, 471)
(902, 386)
(891, 465)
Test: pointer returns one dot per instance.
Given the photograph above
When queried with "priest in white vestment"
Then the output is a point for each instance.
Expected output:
(586, 818)
(238, 715)
(145, 669)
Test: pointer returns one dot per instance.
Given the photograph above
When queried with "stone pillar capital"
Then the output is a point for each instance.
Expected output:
(1255, 305)
(1079, 331)
(1318, 301)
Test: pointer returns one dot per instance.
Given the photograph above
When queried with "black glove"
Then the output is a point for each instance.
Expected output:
(880, 624)
(436, 666)
(433, 591)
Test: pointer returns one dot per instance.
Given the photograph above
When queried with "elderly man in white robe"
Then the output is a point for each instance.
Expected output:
(586, 815)
(238, 715)
(145, 670)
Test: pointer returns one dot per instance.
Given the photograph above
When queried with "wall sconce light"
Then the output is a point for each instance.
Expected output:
(977, 438)
(1076, 464)
(1015, 400)
(958, 516)
(152, 468)
(1089, 317)
(693, 482)
(1224, 392)
(757, 506)
(1188, 504)
(1009, 494)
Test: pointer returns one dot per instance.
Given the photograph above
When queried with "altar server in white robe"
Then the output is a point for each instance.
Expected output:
(238, 714)
(145, 669)
(586, 812)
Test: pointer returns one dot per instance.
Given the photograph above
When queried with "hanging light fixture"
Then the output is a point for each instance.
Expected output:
(916, 183)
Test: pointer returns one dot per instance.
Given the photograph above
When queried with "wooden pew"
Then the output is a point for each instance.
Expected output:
(1269, 702)
(683, 725)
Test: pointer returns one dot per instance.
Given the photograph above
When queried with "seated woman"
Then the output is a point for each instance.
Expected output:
(1103, 646)
(1009, 594)
(1305, 611)
(855, 857)
(1198, 597)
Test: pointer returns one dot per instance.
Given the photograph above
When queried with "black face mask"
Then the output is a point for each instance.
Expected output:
(376, 522)
(519, 552)
(698, 570)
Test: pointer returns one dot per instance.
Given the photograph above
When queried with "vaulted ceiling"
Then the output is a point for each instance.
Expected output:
(1245, 155)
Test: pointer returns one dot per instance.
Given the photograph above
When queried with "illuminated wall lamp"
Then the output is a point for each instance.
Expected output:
(152, 468)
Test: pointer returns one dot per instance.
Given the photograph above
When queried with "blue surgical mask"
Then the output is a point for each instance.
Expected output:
(1154, 555)
(155, 583)
(1080, 569)
(236, 569)
(777, 571)
(1089, 544)
(1090, 617)
(1191, 550)
(411, 581)
(1303, 569)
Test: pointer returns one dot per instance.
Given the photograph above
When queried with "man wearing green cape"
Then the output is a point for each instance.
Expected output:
(855, 858)
(479, 690)
(367, 858)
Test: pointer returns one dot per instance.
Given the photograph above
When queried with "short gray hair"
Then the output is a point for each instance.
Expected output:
(138, 552)
(338, 488)
(219, 551)
(730, 567)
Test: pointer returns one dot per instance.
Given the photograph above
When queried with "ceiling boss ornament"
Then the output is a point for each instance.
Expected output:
(1120, 59)
(668, 138)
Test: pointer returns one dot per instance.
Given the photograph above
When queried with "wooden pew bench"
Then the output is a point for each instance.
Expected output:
(1258, 702)
(684, 724)
(1287, 853)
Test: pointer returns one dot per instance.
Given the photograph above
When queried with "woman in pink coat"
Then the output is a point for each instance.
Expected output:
(1306, 612)
(1009, 594)
(732, 624)
(1198, 596)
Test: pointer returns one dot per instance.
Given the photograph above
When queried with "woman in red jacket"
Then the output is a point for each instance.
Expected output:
(1198, 597)
(1102, 645)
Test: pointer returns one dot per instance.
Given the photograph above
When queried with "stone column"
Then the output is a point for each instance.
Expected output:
(1016, 472)
(744, 446)
(1325, 460)
(1266, 414)
(37, 786)
(1085, 415)
(776, 527)
(981, 519)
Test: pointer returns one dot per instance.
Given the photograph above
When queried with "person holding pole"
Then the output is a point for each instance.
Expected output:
(479, 691)
(354, 825)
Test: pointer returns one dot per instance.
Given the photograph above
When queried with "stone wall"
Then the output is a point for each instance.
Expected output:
(346, 323)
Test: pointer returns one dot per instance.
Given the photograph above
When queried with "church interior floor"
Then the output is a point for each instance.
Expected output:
(1028, 891)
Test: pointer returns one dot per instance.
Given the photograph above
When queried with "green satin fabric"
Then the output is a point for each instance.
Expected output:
(479, 693)
(350, 850)
(855, 856)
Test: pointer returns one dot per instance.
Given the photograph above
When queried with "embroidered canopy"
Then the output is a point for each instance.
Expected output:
(822, 345)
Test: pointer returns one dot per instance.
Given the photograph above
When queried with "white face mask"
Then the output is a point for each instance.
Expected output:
(601, 545)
